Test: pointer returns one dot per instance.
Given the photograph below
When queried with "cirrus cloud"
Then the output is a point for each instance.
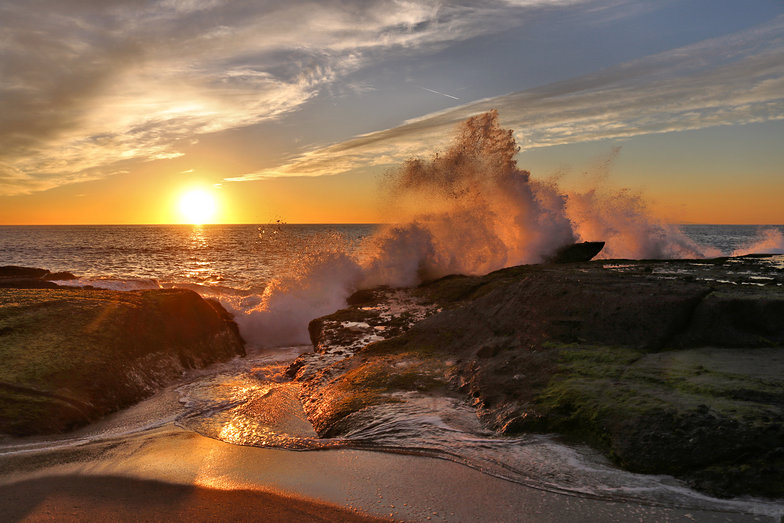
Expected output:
(86, 84)
(734, 79)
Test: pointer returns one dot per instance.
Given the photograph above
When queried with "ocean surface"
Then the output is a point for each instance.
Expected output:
(240, 257)
(275, 278)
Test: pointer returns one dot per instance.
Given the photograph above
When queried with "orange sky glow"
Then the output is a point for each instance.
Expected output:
(282, 117)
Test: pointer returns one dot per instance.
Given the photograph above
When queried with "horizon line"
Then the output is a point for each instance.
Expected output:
(300, 223)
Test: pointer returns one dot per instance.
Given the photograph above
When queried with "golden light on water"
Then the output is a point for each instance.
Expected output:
(197, 206)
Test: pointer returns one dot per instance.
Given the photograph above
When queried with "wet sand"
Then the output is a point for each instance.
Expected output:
(112, 498)
(169, 473)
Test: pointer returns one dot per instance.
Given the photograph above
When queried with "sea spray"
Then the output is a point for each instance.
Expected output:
(317, 283)
(769, 241)
(469, 210)
(480, 211)
(621, 219)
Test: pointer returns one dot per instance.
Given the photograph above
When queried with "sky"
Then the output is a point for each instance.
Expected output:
(294, 110)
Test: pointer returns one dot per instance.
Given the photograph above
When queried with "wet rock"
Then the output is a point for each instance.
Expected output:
(73, 355)
(667, 367)
(14, 277)
(366, 297)
(338, 381)
(577, 252)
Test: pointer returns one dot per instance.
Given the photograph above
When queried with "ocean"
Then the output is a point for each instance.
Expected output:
(276, 277)
(241, 257)
(238, 257)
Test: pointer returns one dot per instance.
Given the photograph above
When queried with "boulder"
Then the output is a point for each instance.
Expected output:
(14, 277)
(73, 355)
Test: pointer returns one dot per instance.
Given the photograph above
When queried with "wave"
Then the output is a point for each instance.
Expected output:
(469, 210)
(769, 241)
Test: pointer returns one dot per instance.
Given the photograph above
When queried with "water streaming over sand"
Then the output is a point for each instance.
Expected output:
(253, 404)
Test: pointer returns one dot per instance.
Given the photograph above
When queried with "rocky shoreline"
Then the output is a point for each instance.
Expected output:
(73, 355)
(666, 367)
(673, 367)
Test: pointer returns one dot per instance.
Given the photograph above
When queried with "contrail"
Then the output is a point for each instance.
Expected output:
(439, 92)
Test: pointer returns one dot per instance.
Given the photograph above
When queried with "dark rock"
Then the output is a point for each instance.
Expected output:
(73, 355)
(741, 318)
(659, 364)
(13, 271)
(577, 252)
(363, 297)
(26, 283)
(14, 277)
(60, 276)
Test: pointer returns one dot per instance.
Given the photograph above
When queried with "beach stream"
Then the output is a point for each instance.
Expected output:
(248, 402)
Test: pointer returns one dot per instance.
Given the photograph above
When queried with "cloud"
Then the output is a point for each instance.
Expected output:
(86, 84)
(734, 79)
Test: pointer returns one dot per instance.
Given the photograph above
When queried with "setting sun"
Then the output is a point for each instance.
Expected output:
(197, 206)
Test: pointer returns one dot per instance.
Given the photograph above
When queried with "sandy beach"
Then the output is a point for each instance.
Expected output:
(169, 473)
(110, 498)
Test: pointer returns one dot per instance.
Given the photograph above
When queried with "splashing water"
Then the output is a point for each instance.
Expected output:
(771, 241)
(621, 219)
(481, 213)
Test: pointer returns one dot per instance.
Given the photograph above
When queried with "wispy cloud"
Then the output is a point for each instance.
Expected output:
(87, 84)
(735, 79)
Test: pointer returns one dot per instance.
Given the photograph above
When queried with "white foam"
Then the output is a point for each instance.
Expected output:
(470, 210)
(768, 241)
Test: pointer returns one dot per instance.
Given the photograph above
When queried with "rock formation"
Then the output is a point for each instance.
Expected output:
(667, 367)
(72, 355)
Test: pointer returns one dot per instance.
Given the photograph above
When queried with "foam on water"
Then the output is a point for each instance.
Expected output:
(255, 405)
(770, 241)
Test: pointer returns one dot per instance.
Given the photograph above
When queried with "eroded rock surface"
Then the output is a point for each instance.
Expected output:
(336, 383)
(72, 355)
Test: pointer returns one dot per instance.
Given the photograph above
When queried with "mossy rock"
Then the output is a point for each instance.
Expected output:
(72, 355)
(712, 416)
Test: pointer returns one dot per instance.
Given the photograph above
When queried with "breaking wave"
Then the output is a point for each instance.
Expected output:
(770, 241)
(469, 210)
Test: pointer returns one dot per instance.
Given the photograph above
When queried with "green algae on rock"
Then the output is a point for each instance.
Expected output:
(72, 355)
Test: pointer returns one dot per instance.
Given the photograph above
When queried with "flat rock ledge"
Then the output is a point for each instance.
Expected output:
(667, 367)
(71, 356)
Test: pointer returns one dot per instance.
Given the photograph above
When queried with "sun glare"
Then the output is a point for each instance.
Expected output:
(197, 206)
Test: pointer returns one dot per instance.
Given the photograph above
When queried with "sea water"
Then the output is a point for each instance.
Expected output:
(234, 257)
(469, 210)
(249, 401)
(240, 257)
